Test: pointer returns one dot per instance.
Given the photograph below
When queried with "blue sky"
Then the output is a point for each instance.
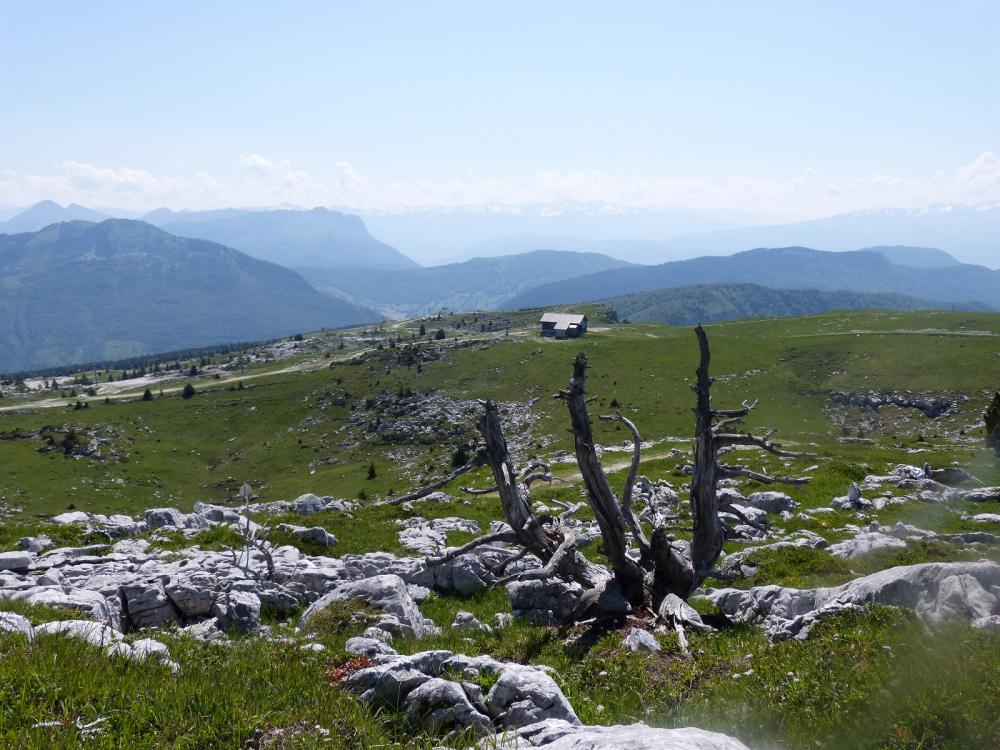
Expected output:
(784, 109)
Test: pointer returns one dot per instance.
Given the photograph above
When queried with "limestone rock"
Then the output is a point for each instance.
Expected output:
(771, 502)
(217, 513)
(385, 592)
(370, 647)
(925, 588)
(88, 602)
(523, 695)
(316, 534)
(18, 562)
(34, 544)
(865, 543)
(94, 633)
(560, 735)
(147, 605)
(639, 640)
(14, 623)
(673, 611)
(308, 504)
(468, 621)
(441, 705)
(143, 649)
(544, 602)
(193, 595)
(159, 517)
(238, 611)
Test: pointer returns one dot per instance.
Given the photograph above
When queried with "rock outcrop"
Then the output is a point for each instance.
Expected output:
(935, 591)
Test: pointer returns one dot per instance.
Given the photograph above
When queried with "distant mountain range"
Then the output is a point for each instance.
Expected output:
(85, 292)
(318, 238)
(783, 268)
(44, 213)
(330, 239)
(971, 233)
(478, 284)
(454, 234)
(80, 290)
(705, 303)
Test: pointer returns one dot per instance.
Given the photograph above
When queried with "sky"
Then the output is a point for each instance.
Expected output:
(784, 110)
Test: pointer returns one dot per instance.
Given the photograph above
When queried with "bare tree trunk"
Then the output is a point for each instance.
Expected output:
(665, 565)
(679, 567)
(608, 512)
(475, 463)
(708, 537)
(517, 510)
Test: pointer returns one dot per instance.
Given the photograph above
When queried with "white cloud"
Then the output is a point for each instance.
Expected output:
(982, 175)
(264, 180)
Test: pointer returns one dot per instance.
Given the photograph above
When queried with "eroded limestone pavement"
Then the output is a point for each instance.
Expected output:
(128, 585)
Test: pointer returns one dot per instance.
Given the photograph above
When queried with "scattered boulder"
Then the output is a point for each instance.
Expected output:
(35, 544)
(217, 513)
(193, 595)
(71, 517)
(468, 621)
(16, 562)
(308, 504)
(14, 623)
(463, 576)
(544, 602)
(314, 534)
(865, 543)
(385, 592)
(674, 611)
(370, 647)
(147, 605)
(639, 640)
(143, 649)
(442, 705)
(555, 734)
(771, 502)
(94, 633)
(925, 588)
(159, 517)
(523, 695)
(237, 611)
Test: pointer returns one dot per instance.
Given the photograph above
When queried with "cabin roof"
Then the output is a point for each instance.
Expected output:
(563, 320)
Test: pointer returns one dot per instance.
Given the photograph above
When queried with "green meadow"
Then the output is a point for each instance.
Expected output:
(873, 678)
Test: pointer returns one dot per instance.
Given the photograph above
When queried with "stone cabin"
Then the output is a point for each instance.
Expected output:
(564, 325)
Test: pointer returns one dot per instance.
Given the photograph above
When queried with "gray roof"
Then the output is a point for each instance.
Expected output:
(563, 320)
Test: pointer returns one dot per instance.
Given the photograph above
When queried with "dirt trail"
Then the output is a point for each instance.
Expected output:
(135, 388)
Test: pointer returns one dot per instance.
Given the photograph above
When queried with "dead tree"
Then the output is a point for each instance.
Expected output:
(644, 568)
(478, 460)
(547, 538)
(254, 538)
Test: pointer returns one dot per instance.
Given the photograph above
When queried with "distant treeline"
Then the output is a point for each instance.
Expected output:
(145, 362)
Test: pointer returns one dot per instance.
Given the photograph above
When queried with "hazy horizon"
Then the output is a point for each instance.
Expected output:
(763, 114)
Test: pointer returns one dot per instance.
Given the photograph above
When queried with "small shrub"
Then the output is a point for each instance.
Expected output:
(460, 457)
(189, 391)
(992, 420)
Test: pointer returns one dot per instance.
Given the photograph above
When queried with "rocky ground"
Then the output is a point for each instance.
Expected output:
(152, 574)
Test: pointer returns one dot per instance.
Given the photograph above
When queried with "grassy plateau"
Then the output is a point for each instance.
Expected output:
(368, 414)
